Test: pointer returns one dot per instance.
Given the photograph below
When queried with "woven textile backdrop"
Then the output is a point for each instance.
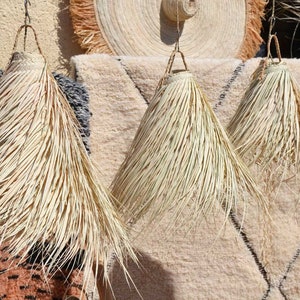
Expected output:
(206, 264)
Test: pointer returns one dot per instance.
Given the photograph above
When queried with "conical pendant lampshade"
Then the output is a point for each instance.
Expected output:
(181, 157)
(265, 127)
(50, 195)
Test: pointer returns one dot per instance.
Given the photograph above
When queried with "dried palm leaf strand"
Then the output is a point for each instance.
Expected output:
(265, 126)
(181, 157)
(50, 193)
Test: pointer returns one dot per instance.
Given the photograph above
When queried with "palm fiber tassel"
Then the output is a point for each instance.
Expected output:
(265, 127)
(50, 195)
(180, 157)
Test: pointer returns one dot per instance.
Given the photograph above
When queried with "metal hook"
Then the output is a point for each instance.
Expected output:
(27, 20)
(27, 16)
(177, 27)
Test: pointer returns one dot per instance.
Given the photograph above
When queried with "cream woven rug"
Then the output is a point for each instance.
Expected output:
(198, 265)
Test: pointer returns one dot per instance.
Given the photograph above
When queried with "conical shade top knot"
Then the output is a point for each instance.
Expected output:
(179, 75)
(23, 61)
(276, 67)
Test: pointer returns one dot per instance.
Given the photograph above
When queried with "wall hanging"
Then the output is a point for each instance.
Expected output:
(51, 204)
(141, 27)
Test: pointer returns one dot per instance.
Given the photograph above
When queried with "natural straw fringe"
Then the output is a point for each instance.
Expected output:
(181, 157)
(252, 39)
(49, 192)
(86, 27)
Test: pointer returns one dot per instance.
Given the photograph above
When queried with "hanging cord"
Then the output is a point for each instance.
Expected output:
(177, 27)
(177, 44)
(25, 27)
(174, 52)
(277, 46)
(272, 20)
(271, 36)
(27, 21)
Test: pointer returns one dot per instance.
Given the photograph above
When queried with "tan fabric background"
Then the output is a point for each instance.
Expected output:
(52, 22)
(207, 263)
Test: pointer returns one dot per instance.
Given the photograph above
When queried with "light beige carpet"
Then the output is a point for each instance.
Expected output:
(205, 264)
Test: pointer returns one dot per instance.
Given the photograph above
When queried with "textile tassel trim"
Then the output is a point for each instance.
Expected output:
(50, 195)
(265, 127)
(181, 157)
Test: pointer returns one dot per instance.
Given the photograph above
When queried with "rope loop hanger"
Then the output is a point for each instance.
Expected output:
(176, 46)
(176, 50)
(269, 55)
(271, 36)
(25, 27)
(269, 60)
